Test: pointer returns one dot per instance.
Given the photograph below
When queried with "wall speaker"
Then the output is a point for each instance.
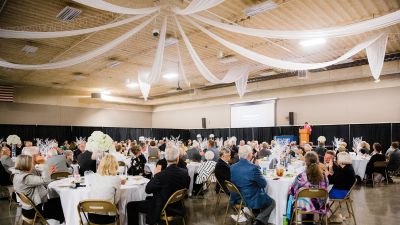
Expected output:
(291, 118)
(203, 123)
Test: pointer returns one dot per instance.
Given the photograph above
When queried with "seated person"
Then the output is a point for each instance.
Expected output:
(328, 166)
(343, 176)
(5, 179)
(204, 171)
(34, 187)
(162, 164)
(194, 152)
(118, 153)
(108, 187)
(137, 163)
(5, 159)
(376, 157)
(53, 158)
(69, 155)
(394, 160)
(153, 151)
(162, 186)
(364, 149)
(223, 170)
(264, 152)
(312, 177)
(321, 149)
(86, 162)
(393, 146)
(248, 179)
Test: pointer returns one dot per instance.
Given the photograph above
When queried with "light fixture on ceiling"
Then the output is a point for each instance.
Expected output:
(29, 49)
(113, 63)
(170, 41)
(312, 42)
(377, 80)
(79, 76)
(260, 8)
(105, 92)
(68, 14)
(131, 84)
(170, 75)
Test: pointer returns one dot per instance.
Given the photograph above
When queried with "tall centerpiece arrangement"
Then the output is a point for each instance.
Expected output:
(99, 143)
(13, 140)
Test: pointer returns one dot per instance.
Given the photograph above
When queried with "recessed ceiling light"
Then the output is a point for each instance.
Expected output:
(106, 92)
(377, 80)
(132, 84)
(312, 42)
(170, 75)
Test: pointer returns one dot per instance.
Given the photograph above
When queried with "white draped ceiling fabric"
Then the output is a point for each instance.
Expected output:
(277, 63)
(196, 6)
(85, 57)
(106, 6)
(332, 32)
(237, 74)
(56, 34)
(146, 80)
(375, 46)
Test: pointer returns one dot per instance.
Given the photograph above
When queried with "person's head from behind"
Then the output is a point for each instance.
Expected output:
(344, 158)
(242, 143)
(395, 145)
(329, 155)
(153, 143)
(108, 166)
(265, 145)
(52, 152)
(306, 123)
(307, 148)
(377, 147)
(313, 171)
(31, 151)
(136, 150)
(28, 144)
(5, 151)
(341, 148)
(24, 163)
(209, 155)
(225, 154)
(245, 152)
(210, 144)
(118, 148)
(171, 154)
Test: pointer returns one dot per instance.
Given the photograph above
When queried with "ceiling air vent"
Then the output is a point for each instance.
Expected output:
(29, 49)
(68, 14)
(6, 93)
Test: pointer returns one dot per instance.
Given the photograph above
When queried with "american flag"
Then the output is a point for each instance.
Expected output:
(6, 93)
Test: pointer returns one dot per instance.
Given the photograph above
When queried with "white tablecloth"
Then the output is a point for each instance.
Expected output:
(278, 190)
(71, 197)
(360, 165)
(192, 168)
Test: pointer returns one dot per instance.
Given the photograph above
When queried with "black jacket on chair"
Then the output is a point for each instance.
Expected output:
(370, 165)
(86, 163)
(4, 176)
(162, 186)
(222, 173)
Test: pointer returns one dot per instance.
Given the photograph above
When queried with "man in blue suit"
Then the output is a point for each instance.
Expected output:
(248, 179)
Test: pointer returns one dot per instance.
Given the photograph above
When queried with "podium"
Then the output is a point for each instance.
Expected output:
(304, 135)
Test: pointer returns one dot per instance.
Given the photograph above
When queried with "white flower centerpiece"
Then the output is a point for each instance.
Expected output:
(99, 143)
(13, 140)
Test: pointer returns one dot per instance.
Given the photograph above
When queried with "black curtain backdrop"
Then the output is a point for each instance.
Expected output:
(383, 133)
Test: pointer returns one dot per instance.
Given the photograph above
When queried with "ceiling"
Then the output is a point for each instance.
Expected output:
(138, 52)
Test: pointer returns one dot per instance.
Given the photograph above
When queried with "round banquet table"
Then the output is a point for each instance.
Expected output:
(131, 191)
(279, 191)
(360, 166)
(192, 169)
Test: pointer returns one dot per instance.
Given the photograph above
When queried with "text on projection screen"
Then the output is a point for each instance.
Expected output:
(253, 115)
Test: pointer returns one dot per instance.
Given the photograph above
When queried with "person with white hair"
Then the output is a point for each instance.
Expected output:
(5, 158)
(204, 171)
(54, 159)
(343, 176)
(162, 186)
(248, 179)
(321, 149)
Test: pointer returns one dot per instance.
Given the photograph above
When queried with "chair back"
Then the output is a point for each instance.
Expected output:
(121, 163)
(97, 207)
(233, 189)
(312, 193)
(27, 201)
(380, 164)
(175, 197)
(59, 175)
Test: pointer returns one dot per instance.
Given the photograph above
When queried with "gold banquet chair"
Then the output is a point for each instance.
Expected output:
(237, 207)
(59, 175)
(38, 216)
(207, 183)
(380, 164)
(220, 192)
(348, 201)
(309, 193)
(97, 207)
(121, 163)
(178, 196)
